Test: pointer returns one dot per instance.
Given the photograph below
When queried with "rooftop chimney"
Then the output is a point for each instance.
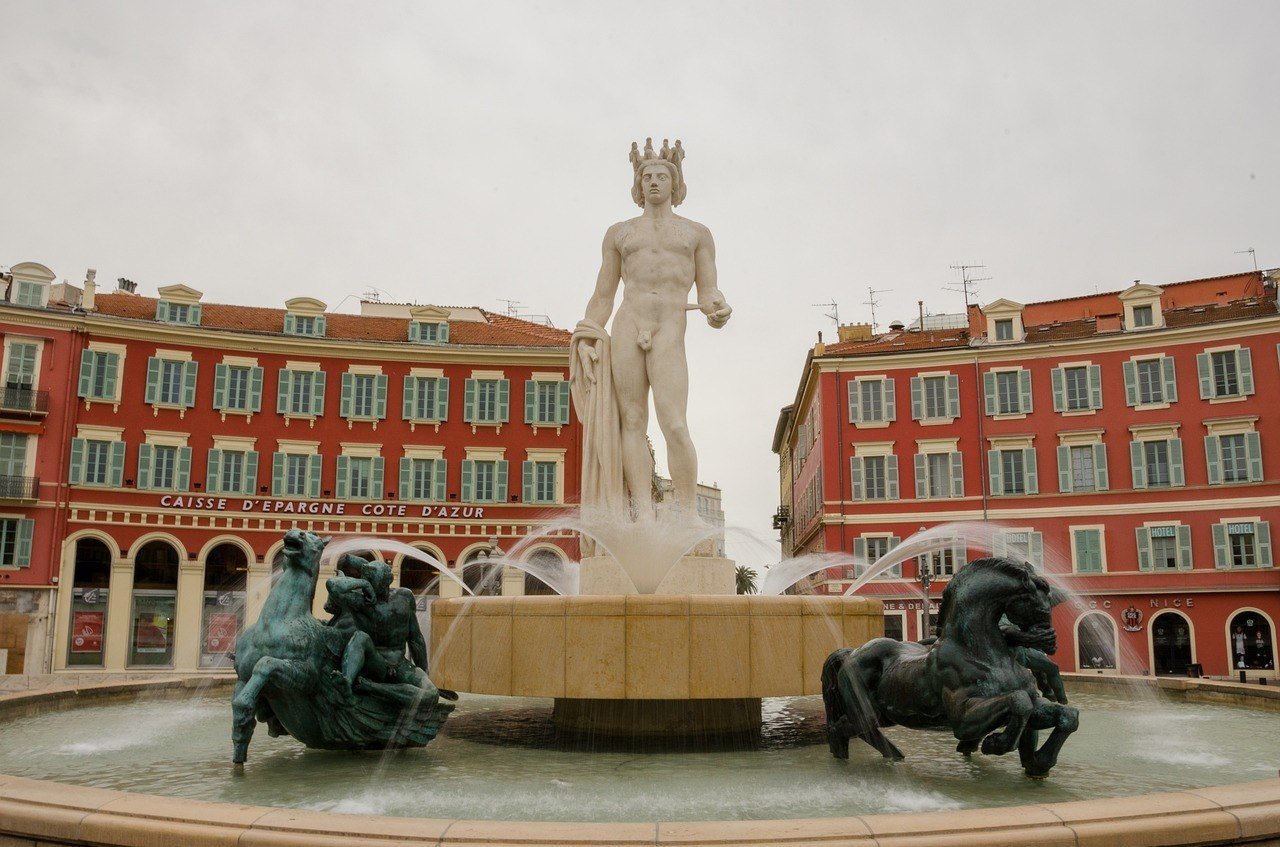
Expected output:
(896, 326)
(90, 290)
(855, 332)
(126, 286)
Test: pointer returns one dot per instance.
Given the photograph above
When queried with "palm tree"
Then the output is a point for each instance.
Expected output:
(745, 579)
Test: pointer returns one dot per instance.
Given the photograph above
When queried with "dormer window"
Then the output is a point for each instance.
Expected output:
(30, 286)
(1004, 322)
(1142, 307)
(178, 313)
(1004, 329)
(304, 316)
(425, 332)
(1142, 316)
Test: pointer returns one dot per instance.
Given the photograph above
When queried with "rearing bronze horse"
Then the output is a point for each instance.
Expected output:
(969, 680)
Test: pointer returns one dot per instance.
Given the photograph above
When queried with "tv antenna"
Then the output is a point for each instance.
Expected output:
(873, 302)
(967, 286)
(834, 314)
(1253, 254)
(513, 307)
(371, 295)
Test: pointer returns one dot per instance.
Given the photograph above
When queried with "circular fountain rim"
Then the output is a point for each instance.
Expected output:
(46, 810)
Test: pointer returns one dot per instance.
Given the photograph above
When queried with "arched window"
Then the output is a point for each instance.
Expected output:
(1252, 641)
(1170, 643)
(1096, 642)
(543, 558)
(226, 570)
(484, 579)
(422, 578)
(155, 591)
(89, 602)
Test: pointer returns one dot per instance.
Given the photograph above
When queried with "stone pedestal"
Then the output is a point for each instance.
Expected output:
(602, 575)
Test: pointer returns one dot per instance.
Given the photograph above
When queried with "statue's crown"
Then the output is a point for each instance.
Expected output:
(673, 156)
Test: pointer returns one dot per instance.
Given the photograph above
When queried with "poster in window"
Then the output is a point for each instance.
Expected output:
(220, 635)
(149, 634)
(86, 632)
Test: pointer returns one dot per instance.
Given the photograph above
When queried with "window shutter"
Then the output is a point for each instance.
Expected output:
(504, 400)
(1244, 363)
(443, 336)
(1184, 546)
(1030, 471)
(1213, 456)
(162, 311)
(469, 401)
(891, 477)
(76, 476)
(315, 468)
(344, 482)
(562, 407)
(348, 387)
(1253, 449)
(220, 373)
(953, 396)
(22, 550)
(855, 478)
(468, 479)
(317, 393)
(439, 476)
(526, 472)
(213, 471)
(860, 562)
(989, 391)
(1035, 550)
(1024, 391)
(410, 397)
(116, 477)
(277, 474)
(290, 324)
(380, 396)
(1262, 535)
(1205, 369)
(282, 391)
(530, 401)
(917, 398)
(442, 398)
(1130, 383)
(144, 466)
(922, 480)
(1064, 468)
(193, 314)
(415, 331)
(1138, 464)
(375, 484)
(320, 326)
(250, 481)
(1144, 548)
(1058, 379)
(1101, 478)
(957, 474)
(1095, 386)
(152, 392)
(406, 476)
(255, 389)
(1169, 375)
(855, 408)
(993, 472)
(189, 372)
(1221, 550)
(1176, 474)
(890, 401)
(500, 481)
(183, 481)
(87, 358)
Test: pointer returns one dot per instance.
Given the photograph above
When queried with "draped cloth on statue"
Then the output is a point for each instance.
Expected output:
(593, 399)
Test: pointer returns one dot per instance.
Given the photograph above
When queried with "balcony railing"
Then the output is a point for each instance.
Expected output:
(19, 487)
(24, 400)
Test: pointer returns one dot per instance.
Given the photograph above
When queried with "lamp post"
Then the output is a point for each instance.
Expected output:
(925, 576)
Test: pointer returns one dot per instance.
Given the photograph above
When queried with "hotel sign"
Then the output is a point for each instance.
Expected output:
(314, 507)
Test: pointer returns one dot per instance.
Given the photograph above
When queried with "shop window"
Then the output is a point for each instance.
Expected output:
(89, 603)
(226, 570)
(894, 627)
(1252, 642)
(1096, 642)
(155, 590)
(422, 578)
(1170, 643)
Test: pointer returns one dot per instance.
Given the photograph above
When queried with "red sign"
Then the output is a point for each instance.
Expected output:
(86, 632)
(220, 634)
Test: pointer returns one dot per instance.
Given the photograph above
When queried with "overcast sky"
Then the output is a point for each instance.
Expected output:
(461, 153)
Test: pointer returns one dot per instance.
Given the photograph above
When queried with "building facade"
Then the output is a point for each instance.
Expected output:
(156, 449)
(1120, 442)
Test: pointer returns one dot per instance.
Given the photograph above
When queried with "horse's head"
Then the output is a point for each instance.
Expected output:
(1018, 591)
(302, 551)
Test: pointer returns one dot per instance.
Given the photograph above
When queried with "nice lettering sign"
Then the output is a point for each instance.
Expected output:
(312, 507)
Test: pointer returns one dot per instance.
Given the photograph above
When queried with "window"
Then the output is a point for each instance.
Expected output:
(1077, 388)
(874, 477)
(98, 375)
(1007, 392)
(546, 402)
(487, 401)
(296, 474)
(540, 478)
(1164, 547)
(1225, 373)
(164, 467)
(97, 462)
(869, 549)
(871, 400)
(359, 477)
(304, 325)
(232, 472)
(1149, 382)
(170, 382)
(944, 562)
(935, 397)
(15, 542)
(1013, 471)
(237, 388)
(422, 479)
(939, 465)
(364, 396)
(1087, 550)
(1157, 463)
(1242, 544)
(1164, 551)
(1082, 467)
(1004, 329)
(20, 374)
(300, 393)
(13, 454)
(429, 332)
(426, 398)
(1023, 545)
(29, 293)
(178, 313)
(1143, 316)
(1234, 457)
(484, 480)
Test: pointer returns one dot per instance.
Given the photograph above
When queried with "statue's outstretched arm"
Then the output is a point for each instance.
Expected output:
(710, 300)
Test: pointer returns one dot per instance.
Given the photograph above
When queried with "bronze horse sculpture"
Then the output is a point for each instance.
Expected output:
(973, 679)
(289, 669)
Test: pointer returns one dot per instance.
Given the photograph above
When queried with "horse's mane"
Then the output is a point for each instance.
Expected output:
(1004, 565)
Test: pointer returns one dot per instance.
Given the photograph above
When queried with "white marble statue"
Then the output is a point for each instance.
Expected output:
(658, 257)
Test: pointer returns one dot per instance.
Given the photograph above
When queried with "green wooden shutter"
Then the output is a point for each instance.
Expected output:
(144, 466)
(250, 482)
(1213, 456)
(213, 472)
(1024, 391)
(1030, 471)
(469, 402)
(76, 475)
(415, 331)
(917, 398)
(530, 401)
(1057, 378)
(1253, 449)
(87, 359)
(439, 475)
(953, 396)
(182, 481)
(315, 474)
(993, 472)
(376, 488)
(1095, 386)
(1101, 478)
(193, 314)
(116, 477)
(283, 389)
(255, 389)
(1138, 464)
(380, 396)
(410, 402)
(860, 556)
(1204, 367)
(957, 474)
(320, 324)
(162, 311)
(110, 362)
(1144, 548)
(189, 372)
(1035, 549)
(500, 481)
(564, 401)
(1130, 383)
(1177, 476)
(855, 478)
(442, 398)
(443, 336)
(1262, 537)
(1184, 547)
(406, 477)
(855, 410)
(1221, 548)
(504, 400)
(220, 376)
(152, 393)
(290, 324)
(1064, 468)
(890, 400)
(1169, 376)
(989, 391)
(277, 474)
(922, 478)
(468, 479)
(22, 550)
(526, 473)
(344, 483)
(891, 476)
(317, 393)
(1244, 364)
(348, 386)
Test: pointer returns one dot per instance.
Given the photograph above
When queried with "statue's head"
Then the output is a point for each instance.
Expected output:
(376, 572)
(302, 549)
(658, 176)
(1025, 596)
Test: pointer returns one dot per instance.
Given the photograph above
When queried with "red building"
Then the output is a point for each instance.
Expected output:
(1118, 441)
(156, 449)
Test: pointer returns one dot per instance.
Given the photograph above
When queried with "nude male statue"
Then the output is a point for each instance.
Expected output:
(658, 257)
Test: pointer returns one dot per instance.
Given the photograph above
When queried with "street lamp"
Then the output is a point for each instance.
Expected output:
(925, 576)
